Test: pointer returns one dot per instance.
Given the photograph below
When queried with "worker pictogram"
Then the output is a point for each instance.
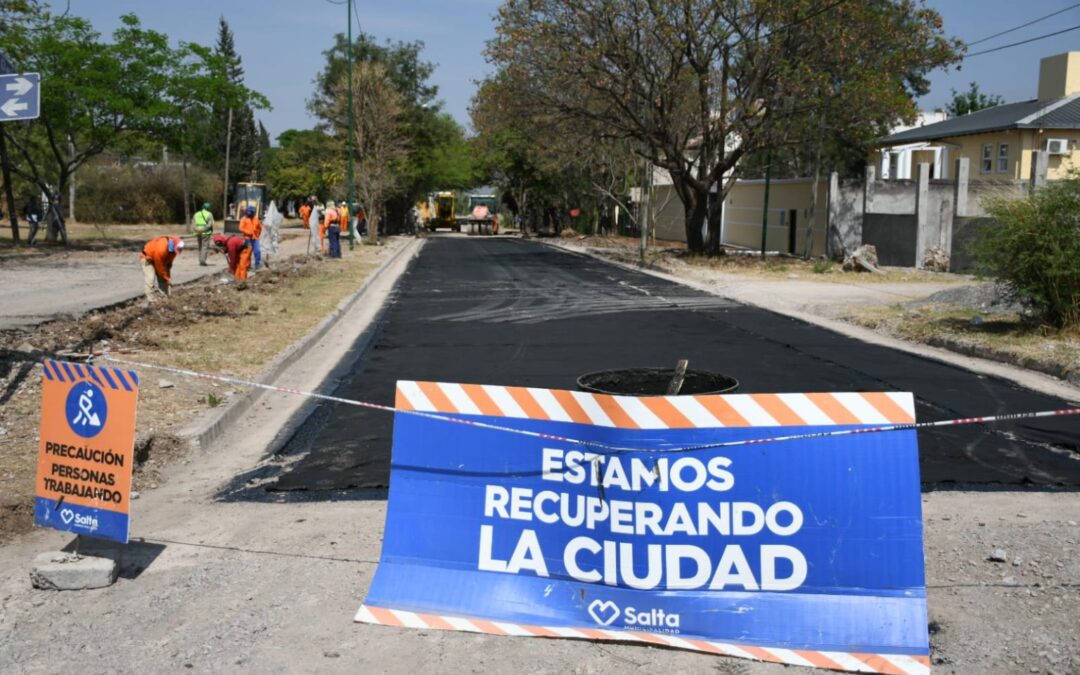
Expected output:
(87, 409)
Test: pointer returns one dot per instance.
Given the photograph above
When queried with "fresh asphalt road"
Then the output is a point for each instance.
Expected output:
(512, 312)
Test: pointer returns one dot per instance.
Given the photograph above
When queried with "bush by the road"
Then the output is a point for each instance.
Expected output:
(128, 194)
(1035, 250)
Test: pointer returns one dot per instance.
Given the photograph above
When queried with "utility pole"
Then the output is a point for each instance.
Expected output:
(225, 191)
(765, 208)
(5, 164)
(646, 188)
(352, 142)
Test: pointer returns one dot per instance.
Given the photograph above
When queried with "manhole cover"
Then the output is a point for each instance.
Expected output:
(654, 382)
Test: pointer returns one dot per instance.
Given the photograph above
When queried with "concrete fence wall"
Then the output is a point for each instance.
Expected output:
(903, 219)
(907, 219)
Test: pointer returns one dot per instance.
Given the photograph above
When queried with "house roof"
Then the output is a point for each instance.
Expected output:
(1062, 113)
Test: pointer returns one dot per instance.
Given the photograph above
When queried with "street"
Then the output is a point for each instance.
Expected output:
(512, 312)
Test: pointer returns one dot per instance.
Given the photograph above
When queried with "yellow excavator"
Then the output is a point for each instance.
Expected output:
(246, 194)
(445, 213)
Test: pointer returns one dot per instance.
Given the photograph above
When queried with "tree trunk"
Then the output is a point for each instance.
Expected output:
(372, 223)
(812, 220)
(693, 203)
(9, 193)
(71, 188)
(187, 191)
(715, 214)
(54, 217)
(695, 218)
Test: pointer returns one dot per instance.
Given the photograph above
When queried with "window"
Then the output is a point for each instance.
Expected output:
(1003, 157)
(988, 158)
(894, 165)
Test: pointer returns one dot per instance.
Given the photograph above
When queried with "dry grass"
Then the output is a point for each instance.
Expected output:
(207, 326)
(1010, 338)
(664, 253)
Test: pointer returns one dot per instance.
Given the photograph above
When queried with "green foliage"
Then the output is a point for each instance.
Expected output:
(823, 266)
(306, 162)
(409, 73)
(1034, 248)
(440, 156)
(99, 96)
(697, 85)
(427, 149)
(971, 101)
(244, 143)
(127, 194)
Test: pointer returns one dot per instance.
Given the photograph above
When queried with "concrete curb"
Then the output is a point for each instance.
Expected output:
(1066, 386)
(206, 430)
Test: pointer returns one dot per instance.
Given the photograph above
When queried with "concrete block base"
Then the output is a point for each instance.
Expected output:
(60, 571)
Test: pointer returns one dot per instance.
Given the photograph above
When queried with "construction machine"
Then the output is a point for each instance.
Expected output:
(482, 213)
(246, 194)
(445, 213)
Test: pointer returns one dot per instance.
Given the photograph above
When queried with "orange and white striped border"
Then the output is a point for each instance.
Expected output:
(658, 412)
(898, 664)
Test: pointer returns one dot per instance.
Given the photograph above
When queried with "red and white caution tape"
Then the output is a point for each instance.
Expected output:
(985, 419)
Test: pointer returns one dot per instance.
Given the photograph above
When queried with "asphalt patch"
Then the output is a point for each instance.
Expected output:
(512, 312)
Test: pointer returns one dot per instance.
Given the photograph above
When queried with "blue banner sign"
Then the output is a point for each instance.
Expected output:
(803, 551)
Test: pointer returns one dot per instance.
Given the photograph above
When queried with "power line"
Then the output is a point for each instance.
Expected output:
(1024, 25)
(1022, 42)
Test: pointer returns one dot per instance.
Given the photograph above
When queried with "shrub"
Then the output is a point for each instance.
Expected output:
(822, 266)
(131, 194)
(1034, 249)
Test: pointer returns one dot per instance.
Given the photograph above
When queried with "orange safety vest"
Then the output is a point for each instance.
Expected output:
(251, 227)
(157, 252)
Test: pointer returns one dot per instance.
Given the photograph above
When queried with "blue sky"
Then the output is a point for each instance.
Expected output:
(281, 41)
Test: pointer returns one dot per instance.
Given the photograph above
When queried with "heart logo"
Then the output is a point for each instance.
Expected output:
(604, 612)
(67, 515)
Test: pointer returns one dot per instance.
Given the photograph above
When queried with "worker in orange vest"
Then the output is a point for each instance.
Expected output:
(251, 228)
(343, 220)
(157, 258)
(305, 213)
(331, 230)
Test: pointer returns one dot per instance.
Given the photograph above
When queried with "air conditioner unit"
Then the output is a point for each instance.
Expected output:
(1057, 146)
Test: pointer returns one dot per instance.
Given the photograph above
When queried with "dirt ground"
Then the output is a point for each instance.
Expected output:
(215, 585)
(208, 325)
(93, 272)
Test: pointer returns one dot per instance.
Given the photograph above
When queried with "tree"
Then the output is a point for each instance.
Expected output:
(971, 101)
(695, 85)
(94, 94)
(199, 83)
(378, 133)
(11, 12)
(239, 142)
(438, 155)
(1033, 248)
(305, 163)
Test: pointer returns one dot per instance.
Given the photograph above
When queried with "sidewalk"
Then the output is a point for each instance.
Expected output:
(38, 289)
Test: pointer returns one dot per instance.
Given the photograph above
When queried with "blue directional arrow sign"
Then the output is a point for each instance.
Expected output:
(20, 97)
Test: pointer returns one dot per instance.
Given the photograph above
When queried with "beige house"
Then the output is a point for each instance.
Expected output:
(999, 141)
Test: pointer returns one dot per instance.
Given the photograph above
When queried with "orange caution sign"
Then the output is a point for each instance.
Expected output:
(87, 448)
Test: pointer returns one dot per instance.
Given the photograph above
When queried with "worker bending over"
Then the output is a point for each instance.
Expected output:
(157, 260)
(232, 245)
